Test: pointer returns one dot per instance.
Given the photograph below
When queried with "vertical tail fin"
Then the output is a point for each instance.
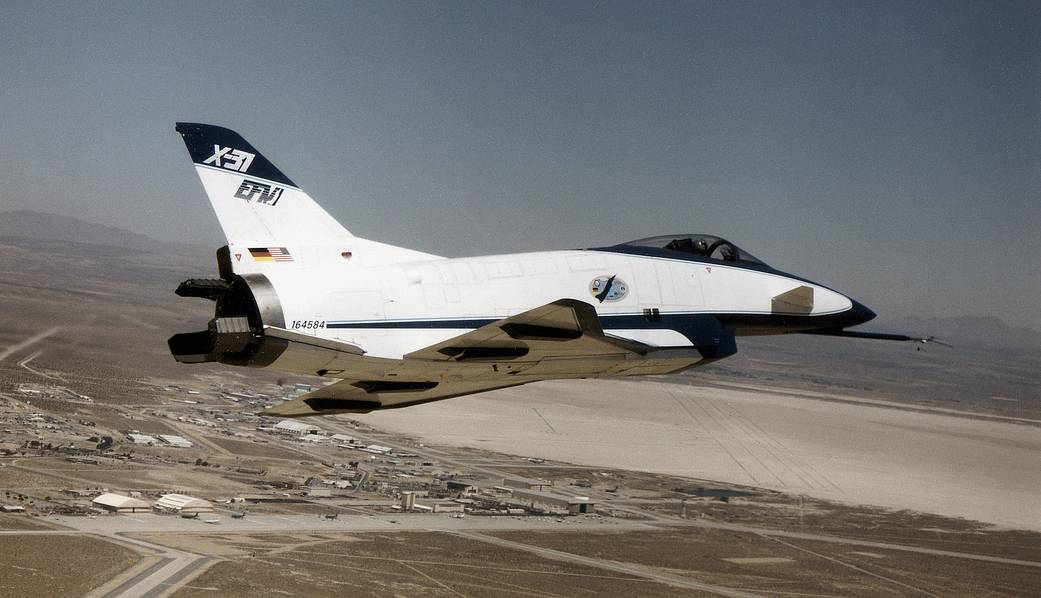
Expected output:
(256, 204)
(265, 216)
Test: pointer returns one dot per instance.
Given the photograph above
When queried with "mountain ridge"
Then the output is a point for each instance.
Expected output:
(43, 230)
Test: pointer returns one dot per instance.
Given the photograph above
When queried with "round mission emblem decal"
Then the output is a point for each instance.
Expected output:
(608, 288)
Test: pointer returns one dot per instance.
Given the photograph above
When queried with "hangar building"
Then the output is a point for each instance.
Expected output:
(175, 441)
(181, 503)
(294, 428)
(117, 503)
(141, 439)
(554, 502)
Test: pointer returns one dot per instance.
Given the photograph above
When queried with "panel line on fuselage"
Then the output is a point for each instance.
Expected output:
(605, 319)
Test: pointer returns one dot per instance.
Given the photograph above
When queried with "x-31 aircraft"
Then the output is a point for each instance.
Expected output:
(299, 293)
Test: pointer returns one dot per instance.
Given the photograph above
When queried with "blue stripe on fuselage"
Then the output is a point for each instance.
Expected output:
(698, 328)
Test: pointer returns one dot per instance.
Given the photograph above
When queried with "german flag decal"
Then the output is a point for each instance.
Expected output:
(270, 254)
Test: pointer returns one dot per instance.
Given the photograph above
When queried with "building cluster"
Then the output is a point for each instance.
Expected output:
(307, 432)
(338, 464)
(514, 496)
(25, 432)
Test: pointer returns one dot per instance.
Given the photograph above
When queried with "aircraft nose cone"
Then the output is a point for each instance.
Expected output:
(858, 314)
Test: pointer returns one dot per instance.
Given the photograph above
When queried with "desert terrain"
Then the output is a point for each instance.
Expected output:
(830, 446)
(801, 466)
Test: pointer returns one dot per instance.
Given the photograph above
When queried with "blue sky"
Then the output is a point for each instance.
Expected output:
(889, 150)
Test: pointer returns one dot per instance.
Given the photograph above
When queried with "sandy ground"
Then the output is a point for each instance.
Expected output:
(48, 566)
(853, 453)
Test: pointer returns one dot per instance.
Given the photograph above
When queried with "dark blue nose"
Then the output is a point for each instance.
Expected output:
(858, 314)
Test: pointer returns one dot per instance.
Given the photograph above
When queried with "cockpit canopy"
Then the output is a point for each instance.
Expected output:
(700, 245)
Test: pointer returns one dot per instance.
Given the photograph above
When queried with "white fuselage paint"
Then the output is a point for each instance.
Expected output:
(322, 288)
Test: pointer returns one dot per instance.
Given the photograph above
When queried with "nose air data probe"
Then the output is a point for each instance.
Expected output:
(301, 294)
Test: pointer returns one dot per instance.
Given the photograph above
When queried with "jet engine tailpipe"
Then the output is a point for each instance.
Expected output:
(243, 306)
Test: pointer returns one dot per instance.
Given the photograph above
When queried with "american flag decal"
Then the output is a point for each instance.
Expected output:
(270, 254)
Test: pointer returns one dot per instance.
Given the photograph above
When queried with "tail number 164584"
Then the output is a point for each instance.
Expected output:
(308, 324)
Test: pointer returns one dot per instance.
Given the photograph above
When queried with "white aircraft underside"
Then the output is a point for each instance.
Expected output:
(301, 294)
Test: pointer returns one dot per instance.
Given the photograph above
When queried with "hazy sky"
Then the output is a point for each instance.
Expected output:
(889, 150)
